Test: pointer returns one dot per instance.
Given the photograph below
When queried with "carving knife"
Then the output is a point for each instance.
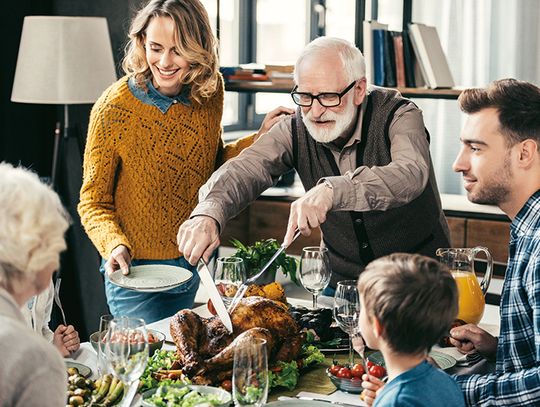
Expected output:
(213, 293)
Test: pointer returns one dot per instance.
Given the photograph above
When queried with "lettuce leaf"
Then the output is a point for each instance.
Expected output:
(287, 376)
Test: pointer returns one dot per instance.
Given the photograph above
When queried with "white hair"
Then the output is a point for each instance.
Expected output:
(32, 226)
(353, 61)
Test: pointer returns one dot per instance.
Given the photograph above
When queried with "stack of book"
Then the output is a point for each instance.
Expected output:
(246, 72)
(412, 58)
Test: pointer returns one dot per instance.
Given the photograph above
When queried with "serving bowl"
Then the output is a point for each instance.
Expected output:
(353, 385)
(224, 395)
(152, 347)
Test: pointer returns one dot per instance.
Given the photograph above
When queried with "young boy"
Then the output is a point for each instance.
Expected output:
(407, 303)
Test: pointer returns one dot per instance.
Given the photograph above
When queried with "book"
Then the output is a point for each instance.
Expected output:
(409, 60)
(389, 61)
(379, 44)
(367, 28)
(432, 60)
(397, 38)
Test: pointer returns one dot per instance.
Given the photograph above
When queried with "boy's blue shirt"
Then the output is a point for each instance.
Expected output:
(421, 386)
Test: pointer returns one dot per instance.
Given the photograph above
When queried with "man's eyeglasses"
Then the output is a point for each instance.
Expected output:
(327, 99)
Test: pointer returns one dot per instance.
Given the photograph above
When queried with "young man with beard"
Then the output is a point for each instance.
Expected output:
(500, 163)
(363, 158)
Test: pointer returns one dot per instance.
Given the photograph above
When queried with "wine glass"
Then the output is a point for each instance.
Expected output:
(126, 350)
(314, 270)
(104, 322)
(347, 311)
(230, 273)
(250, 373)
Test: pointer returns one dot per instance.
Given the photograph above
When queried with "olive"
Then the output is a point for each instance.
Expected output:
(296, 315)
(76, 400)
(90, 384)
(72, 371)
(80, 382)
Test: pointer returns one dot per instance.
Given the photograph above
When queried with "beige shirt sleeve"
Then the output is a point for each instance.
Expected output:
(242, 179)
(393, 185)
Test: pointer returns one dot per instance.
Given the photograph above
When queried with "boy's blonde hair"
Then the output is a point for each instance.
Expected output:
(414, 298)
(194, 41)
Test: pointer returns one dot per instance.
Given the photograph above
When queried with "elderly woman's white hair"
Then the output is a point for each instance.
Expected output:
(32, 226)
(354, 64)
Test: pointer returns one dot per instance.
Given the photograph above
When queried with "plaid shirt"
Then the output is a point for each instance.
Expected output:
(516, 380)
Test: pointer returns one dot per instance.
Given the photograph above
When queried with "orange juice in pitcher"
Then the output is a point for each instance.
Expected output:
(471, 297)
(471, 292)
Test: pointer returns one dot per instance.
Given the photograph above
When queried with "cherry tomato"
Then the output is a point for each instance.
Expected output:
(226, 385)
(377, 371)
(334, 369)
(344, 373)
(357, 370)
(369, 363)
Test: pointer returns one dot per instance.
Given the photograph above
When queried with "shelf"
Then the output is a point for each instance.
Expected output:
(264, 86)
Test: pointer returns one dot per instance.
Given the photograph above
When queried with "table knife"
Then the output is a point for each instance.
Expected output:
(213, 293)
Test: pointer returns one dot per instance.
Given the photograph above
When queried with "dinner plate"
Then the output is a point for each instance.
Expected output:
(443, 360)
(299, 403)
(151, 277)
(83, 369)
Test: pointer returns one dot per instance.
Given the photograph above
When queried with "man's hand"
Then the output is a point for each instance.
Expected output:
(469, 338)
(272, 118)
(66, 339)
(118, 259)
(372, 386)
(309, 211)
(198, 237)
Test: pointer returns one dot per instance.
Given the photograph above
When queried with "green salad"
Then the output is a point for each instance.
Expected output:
(285, 374)
(161, 359)
(173, 396)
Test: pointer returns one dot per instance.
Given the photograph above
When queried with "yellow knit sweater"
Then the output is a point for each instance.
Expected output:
(143, 169)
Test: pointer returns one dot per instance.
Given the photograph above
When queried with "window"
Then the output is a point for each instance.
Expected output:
(340, 20)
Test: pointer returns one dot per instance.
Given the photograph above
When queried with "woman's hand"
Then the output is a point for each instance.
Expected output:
(272, 118)
(66, 339)
(119, 259)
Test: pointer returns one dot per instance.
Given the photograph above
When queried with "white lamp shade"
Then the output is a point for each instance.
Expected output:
(63, 60)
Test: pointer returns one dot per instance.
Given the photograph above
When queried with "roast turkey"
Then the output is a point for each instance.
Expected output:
(205, 349)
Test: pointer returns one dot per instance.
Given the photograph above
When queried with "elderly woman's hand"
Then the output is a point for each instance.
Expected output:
(66, 339)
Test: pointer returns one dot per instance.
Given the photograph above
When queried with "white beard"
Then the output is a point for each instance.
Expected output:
(342, 123)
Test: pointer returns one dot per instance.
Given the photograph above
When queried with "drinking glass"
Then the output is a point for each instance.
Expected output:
(126, 350)
(104, 322)
(314, 270)
(347, 311)
(250, 373)
(230, 273)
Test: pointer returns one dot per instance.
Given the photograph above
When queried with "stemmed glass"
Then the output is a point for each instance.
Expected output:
(347, 311)
(314, 270)
(104, 322)
(230, 273)
(126, 350)
(250, 373)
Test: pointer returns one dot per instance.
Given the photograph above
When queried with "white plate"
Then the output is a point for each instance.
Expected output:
(151, 277)
(443, 360)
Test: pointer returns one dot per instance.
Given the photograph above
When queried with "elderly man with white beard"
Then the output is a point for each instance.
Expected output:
(362, 154)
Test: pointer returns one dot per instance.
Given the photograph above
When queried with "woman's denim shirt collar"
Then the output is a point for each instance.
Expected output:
(154, 98)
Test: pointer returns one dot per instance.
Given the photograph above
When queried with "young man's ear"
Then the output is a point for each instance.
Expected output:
(528, 153)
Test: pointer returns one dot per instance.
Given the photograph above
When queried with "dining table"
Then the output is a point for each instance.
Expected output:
(314, 383)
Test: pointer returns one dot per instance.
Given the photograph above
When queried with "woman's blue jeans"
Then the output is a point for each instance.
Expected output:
(151, 306)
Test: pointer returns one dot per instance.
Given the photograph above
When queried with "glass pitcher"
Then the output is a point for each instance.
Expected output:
(471, 293)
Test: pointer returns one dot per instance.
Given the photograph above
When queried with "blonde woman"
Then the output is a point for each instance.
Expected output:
(33, 221)
(154, 139)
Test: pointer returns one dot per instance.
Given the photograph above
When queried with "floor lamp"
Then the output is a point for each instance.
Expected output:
(64, 61)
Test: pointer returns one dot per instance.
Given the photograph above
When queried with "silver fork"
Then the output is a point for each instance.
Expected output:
(57, 298)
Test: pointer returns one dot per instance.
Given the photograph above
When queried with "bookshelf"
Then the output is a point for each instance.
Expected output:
(265, 86)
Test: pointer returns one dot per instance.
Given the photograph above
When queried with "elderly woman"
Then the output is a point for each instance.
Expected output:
(33, 223)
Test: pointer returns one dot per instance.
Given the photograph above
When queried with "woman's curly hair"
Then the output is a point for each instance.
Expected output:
(194, 41)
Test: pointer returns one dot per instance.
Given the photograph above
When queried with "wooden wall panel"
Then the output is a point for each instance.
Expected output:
(492, 234)
(457, 231)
